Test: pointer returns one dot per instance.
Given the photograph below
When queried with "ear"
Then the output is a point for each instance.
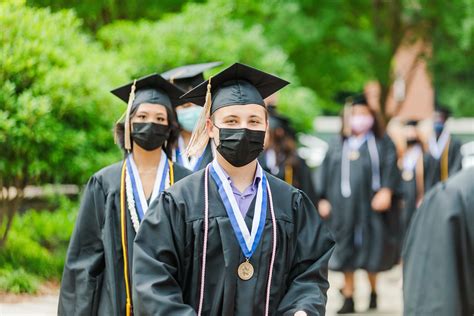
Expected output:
(209, 128)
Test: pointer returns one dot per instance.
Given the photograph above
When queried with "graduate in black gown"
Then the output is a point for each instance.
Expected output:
(412, 171)
(443, 158)
(280, 156)
(356, 184)
(438, 254)
(97, 273)
(186, 78)
(235, 239)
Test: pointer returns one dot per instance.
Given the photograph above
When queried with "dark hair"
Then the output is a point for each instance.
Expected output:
(378, 129)
(119, 131)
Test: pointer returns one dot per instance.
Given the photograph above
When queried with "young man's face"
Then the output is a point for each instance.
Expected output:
(250, 116)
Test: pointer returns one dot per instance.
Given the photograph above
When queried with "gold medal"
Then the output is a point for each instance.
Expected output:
(407, 175)
(245, 270)
(354, 155)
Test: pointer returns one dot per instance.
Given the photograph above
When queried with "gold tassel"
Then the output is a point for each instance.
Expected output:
(128, 303)
(199, 138)
(289, 174)
(131, 98)
(444, 163)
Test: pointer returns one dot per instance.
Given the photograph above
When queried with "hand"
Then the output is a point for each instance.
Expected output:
(324, 208)
(382, 200)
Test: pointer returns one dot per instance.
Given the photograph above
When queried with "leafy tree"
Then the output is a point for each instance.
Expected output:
(98, 13)
(56, 114)
(208, 32)
(340, 45)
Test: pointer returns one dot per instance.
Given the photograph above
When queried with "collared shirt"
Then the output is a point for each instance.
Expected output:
(244, 199)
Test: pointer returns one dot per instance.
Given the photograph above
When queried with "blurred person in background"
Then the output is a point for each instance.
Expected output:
(444, 157)
(186, 78)
(355, 185)
(280, 156)
(412, 171)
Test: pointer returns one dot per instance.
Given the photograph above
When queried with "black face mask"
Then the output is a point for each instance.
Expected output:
(412, 141)
(240, 146)
(150, 136)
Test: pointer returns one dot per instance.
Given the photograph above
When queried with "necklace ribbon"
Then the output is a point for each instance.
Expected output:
(248, 241)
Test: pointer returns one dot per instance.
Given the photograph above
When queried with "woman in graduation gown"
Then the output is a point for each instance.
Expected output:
(280, 157)
(187, 77)
(411, 166)
(236, 240)
(97, 273)
(443, 158)
(356, 184)
(438, 253)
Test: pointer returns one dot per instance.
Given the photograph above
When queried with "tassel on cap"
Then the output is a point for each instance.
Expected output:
(200, 138)
(131, 98)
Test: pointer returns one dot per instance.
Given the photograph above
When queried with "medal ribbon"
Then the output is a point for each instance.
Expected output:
(437, 147)
(248, 241)
(137, 187)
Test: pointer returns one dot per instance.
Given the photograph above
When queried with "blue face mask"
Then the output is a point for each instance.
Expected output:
(188, 117)
(438, 127)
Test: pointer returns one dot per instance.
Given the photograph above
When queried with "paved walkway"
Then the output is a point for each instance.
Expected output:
(390, 298)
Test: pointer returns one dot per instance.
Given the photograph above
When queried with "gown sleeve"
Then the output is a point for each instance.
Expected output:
(390, 175)
(456, 163)
(156, 265)
(307, 279)
(306, 180)
(322, 176)
(438, 252)
(84, 267)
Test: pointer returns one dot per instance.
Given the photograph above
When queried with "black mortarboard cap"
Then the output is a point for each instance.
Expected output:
(411, 123)
(441, 108)
(358, 99)
(238, 84)
(151, 89)
(189, 76)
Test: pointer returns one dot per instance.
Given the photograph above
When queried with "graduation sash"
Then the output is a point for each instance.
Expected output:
(191, 164)
(439, 150)
(248, 240)
(137, 202)
(352, 144)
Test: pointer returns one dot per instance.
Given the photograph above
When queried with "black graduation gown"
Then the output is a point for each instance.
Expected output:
(409, 201)
(93, 280)
(302, 176)
(433, 168)
(438, 254)
(365, 239)
(167, 273)
(207, 157)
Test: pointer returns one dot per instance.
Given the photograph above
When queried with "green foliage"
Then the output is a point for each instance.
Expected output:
(206, 32)
(38, 241)
(18, 281)
(55, 109)
(97, 13)
(340, 45)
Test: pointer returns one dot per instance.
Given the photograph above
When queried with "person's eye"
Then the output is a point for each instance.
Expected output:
(231, 122)
(160, 119)
(141, 116)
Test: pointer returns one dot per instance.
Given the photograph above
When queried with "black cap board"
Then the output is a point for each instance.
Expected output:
(238, 84)
(189, 76)
(151, 89)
